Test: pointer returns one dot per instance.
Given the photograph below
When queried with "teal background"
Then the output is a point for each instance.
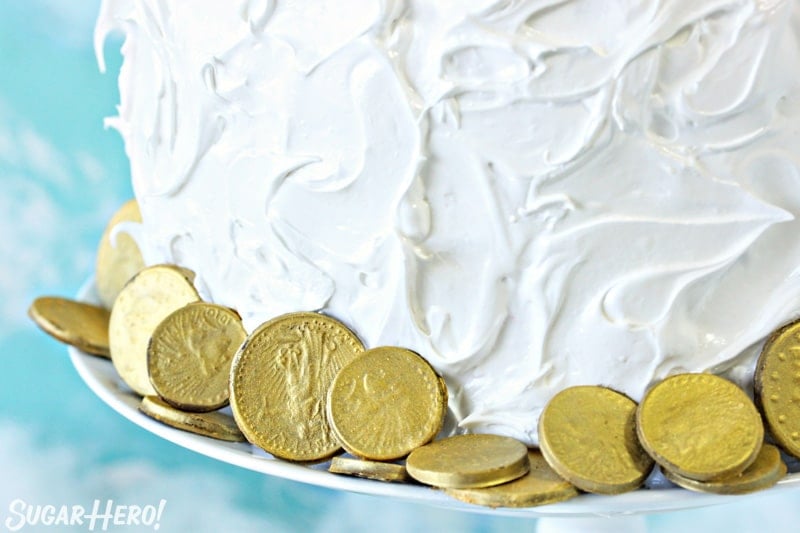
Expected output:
(61, 177)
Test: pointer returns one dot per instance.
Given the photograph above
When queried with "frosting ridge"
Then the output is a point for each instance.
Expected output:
(528, 199)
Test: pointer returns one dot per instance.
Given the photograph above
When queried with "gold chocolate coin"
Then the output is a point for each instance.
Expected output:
(700, 426)
(588, 435)
(765, 471)
(279, 380)
(118, 256)
(777, 386)
(215, 425)
(143, 303)
(368, 469)
(79, 324)
(540, 486)
(469, 461)
(189, 356)
(385, 403)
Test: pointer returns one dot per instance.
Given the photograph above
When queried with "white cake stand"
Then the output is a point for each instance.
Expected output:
(101, 378)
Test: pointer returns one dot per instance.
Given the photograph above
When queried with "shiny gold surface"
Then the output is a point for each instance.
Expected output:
(700, 426)
(777, 387)
(765, 471)
(118, 260)
(79, 324)
(385, 403)
(588, 435)
(279, 380)
(214, 425)
(189, 356)
(368, 469)
(143, 303)
(469, 461)
(540, 486)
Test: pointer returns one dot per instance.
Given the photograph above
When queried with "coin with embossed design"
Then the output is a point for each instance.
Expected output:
(118, 256)
(588, 435)
(82, 325)
(385, 403)
(765, 471)
(700, 426)
(540, 486)
(368, 469)
(189, 356)
(777, 386)
(143, 303)
(279, 380)
(215, 425)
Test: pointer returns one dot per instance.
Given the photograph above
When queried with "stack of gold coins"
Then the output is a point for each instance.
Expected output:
(489, 470)
(707, 435)
(764, 472)
(540, 486)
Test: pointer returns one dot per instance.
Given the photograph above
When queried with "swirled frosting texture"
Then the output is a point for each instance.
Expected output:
(531, 194)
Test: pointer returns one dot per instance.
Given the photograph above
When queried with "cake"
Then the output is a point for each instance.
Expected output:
(530, 194)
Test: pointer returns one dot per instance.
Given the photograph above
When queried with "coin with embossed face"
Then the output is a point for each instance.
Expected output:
(189, 356)
(279, 380)
(118, 256)
(469, 461)
(79, 324)
(700, 426)
(368, 469)
(385, 403)
(588, 435)
(143, 303)
(765, 471)
(215, 425)
(777, 386)
(540, 486)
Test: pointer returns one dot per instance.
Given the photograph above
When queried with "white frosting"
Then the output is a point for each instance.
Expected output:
(531, 194)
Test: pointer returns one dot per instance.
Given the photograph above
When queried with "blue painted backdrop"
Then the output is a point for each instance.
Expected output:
(61, 177)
